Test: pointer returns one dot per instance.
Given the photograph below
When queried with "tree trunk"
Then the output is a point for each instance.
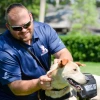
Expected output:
(42, 10)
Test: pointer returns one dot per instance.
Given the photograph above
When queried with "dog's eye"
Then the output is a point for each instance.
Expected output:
(75, 69)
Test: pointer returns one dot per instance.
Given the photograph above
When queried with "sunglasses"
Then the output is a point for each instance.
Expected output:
(20, 28)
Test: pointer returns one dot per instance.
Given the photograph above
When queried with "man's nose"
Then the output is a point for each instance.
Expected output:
(24, 29)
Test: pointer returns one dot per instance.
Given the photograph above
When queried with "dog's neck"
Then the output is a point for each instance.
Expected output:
(55, 89)
(56, 93)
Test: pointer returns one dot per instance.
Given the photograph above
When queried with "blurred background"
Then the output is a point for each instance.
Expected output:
(77, 22)
(62, 15)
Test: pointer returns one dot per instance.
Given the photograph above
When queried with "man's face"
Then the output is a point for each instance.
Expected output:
(20, 24)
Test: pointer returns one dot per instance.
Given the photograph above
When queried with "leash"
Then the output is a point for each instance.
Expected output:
(41, 93)
(33, 55)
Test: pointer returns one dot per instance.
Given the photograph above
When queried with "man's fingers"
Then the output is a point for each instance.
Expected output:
(57, 61)
(45, 82)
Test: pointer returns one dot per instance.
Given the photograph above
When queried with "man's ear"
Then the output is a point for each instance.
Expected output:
(79, 64)
(31, 16)
(7, 26)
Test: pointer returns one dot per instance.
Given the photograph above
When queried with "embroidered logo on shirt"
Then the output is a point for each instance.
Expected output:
(43, 49)
(6, 75)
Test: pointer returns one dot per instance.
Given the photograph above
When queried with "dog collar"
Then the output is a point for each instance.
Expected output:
(57, 93)
(54, 89)
(66, 96)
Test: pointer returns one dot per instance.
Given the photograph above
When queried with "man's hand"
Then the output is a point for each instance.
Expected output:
(56, 61)
(45, 82)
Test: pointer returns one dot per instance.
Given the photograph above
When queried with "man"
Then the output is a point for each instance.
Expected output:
(21, 76)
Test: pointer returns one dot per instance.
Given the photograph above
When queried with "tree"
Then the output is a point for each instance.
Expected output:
(32, 5)
(84, 15)
(42, 10)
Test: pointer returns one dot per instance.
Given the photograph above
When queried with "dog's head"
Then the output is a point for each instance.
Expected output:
(66, 73)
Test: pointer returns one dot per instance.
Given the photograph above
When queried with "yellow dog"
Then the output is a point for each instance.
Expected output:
(62, 72)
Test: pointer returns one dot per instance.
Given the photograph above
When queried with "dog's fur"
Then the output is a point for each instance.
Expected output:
(60, 72)
(63, 70)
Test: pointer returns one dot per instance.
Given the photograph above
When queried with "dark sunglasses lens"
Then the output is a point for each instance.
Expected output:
(17, 28)
(27, 25)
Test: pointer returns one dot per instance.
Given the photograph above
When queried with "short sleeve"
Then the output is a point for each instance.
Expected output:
(9, 68)
(55, 43)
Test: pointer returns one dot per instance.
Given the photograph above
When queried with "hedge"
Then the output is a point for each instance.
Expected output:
(83, 47)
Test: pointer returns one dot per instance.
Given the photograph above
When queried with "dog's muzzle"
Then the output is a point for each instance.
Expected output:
(74, 84)
(77, 85)
(87, 90)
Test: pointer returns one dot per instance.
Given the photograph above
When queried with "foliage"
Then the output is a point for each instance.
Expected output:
(98, 3)
(32, 5)
(84, 15)
(83, 47)
(62, 2)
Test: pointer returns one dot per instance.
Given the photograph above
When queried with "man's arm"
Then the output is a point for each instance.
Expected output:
(26, 87)
(64, 53)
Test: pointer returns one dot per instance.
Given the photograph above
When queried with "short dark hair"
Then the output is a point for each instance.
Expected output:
(10, 7)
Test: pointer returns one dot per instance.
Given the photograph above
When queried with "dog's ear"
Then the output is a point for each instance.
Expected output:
(79, 64)
(63, 62)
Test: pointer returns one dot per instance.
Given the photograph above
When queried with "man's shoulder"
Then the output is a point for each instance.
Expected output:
(43, 29)
(40, 25)
(2, 39)
(3, 35)
(5, 40)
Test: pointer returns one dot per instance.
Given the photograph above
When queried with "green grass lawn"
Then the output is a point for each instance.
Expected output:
(91, 67)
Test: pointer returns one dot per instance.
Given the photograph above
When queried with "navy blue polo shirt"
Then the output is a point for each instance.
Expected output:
(17, 64)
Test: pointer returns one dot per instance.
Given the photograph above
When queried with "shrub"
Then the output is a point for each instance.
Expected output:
(83, 47)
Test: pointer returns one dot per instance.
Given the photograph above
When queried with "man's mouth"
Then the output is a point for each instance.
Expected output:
(25, 35)
(74, 84)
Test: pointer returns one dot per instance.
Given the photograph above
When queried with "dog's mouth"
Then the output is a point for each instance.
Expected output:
(74, 84)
